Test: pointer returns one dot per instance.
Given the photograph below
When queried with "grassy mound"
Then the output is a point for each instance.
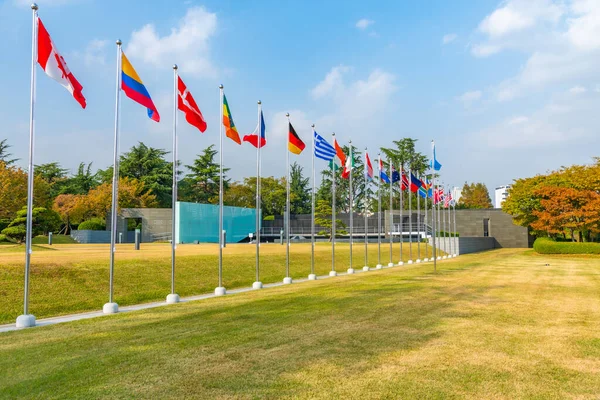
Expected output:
(549, 246)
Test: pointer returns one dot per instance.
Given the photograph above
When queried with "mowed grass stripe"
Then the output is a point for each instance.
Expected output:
(499, 324)
(69, 279)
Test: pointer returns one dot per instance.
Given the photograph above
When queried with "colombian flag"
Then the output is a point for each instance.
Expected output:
(230, 129)
(295, 144)
(134, 88)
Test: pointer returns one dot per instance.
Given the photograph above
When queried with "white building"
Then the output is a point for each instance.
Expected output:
(456, 193)
(501, 195)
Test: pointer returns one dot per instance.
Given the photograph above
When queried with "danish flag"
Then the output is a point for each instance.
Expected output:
(55, 66)
(187, 104)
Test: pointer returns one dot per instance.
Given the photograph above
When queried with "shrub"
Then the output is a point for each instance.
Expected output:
(5, 239)
(94, 224)
(269, 218)
(546, 245)
(16, 233)
(4, 223)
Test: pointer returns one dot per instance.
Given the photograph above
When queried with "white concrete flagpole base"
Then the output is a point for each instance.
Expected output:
(332, 273)
(378, 266)
(220, 291)
(312, 277)
(439, 257)
(365, 268)
(287, 280)
(401, 263)
(173, 298)
(445, 257)
(410, 261)
(25, 321)
(390, 264)
(350, 271)
(425, 259)
(110, 308)
(454, 255)
(257, 285)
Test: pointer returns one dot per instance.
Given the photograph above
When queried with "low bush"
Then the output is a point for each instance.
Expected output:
(4, 223)
(94, 224)
(546, 245)
(5, 239)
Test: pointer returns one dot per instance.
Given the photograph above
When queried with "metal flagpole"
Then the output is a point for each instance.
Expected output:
(391, 224)
(418, 227)
(440, 226)
(379, 213)
(456, 237)
(27, 320)
(444, 222)
(450, 230)
(312, 275)
(333, 229)
(366, 267)
(112, 307)
(287, 278)
(401, 262)
(258, 284)
(220, 290)
(434, 233)
(173, 297)
(425, 222)
(410, 217)
(351, 200)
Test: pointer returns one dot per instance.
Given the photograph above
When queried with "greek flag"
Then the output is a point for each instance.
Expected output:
(323, 150)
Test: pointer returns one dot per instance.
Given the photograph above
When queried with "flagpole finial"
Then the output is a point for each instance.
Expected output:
(313, 126)
(259, 102)
(34, 7)
(220, 86)
(333, 134)
(118, 42)
(287, 115)
(175, 67)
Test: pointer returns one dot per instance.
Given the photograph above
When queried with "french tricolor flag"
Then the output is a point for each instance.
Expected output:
(54, 65)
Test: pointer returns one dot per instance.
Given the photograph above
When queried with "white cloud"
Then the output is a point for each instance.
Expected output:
(94, 53)
(449, 38)
(364, 23)
(518, 120)
(332, 81)
(518, 15)
(584, 26)
(469, 98)
(186, 45)
(577, 90)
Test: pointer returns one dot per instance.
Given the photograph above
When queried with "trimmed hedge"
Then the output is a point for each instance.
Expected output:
(546, 245)
(94, 224)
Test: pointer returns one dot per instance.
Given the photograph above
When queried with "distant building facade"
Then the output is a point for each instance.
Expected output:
(500, 195)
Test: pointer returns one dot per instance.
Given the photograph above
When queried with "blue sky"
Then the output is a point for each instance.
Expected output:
(507, 89)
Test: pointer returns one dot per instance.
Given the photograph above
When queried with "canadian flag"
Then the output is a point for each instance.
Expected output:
(186, 103)
(55, 66)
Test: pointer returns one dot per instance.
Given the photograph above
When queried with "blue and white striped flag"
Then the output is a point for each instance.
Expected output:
(323, 149)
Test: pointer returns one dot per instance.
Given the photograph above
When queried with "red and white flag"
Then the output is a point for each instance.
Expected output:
(186, 103)
(55, 66)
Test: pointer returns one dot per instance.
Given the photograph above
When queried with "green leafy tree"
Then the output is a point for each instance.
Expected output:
(323, 220)
(13, 190)
(201, 185)
(4, 154)
(54, 175)
(44, 220)
(300, 198)
(83, 181)
(148, 165)
(475, 196)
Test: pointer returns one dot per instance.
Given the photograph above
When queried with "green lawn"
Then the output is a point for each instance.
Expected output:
(67, 279)
(503, 324)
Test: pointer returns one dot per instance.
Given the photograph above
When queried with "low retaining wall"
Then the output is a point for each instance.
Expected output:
(466, 245)
(91, 237)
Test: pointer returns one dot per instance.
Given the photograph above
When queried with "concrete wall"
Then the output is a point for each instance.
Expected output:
(465, 245)
(156, 222)
(85, 236)
(469, 223)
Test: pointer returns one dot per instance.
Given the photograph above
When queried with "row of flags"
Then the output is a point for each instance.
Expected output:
(55, 66)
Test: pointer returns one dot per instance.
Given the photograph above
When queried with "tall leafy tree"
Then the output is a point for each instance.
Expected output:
(201, 185)
(300, 197)
(54, 175)
(475, 195)
(148, 165)
(83, 181)
(13, 190)
(323, 220)
(4, 154)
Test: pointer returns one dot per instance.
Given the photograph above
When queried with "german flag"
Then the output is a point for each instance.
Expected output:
(295, 144)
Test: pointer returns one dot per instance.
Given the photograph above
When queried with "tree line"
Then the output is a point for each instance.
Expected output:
(145, 180)
(561, 204)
